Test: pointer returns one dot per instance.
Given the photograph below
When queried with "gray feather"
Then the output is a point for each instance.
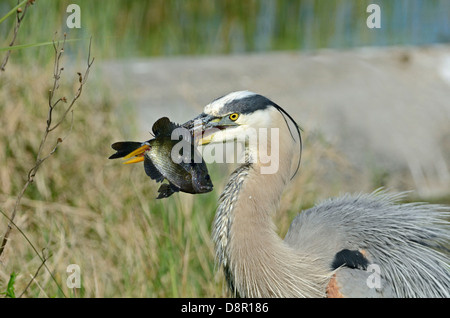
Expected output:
(407, 241)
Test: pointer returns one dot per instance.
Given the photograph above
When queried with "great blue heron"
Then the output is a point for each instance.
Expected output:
(364, 245)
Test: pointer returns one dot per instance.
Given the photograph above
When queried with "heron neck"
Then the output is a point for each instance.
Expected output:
(256, 261)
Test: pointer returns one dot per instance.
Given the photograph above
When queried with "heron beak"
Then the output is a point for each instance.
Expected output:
(203, 128)
(138, 155)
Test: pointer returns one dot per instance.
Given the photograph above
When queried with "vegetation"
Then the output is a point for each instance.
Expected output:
(81, 208)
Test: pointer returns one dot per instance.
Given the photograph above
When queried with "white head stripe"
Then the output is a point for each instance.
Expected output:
(214, 107)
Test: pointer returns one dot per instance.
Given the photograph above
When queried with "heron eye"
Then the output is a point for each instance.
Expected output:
(234, 116)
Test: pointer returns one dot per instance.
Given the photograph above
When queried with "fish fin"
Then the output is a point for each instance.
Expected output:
(123, 148)
(164, 127)
(166, 190)
(187, 166)
(151, 170)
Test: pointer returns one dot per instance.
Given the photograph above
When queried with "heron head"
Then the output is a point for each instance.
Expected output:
(235, 115)
(252, 119)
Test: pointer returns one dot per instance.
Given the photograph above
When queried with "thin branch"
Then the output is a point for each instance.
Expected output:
(57, 70)
(20, 14)
(82, 79)
(42, 258)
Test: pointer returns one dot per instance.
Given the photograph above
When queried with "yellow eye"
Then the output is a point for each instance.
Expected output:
(234, 116)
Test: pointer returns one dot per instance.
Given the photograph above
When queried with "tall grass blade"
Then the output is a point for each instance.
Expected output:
(25, 46)
(13, 10)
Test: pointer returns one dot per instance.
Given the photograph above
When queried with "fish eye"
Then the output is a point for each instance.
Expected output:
(234, 116)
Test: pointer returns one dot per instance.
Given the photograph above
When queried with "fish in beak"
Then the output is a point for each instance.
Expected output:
(189, 174)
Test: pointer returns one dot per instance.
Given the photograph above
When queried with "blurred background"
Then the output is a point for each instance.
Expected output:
(373, 105)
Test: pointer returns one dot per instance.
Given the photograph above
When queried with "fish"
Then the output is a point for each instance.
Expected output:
(184, 170)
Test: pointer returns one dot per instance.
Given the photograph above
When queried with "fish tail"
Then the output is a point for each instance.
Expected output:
(124, 148)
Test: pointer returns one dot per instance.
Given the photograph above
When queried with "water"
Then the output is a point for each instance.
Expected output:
(193, 27)
(309, 24)
(218, 27)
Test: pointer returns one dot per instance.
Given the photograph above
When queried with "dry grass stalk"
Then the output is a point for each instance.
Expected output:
(50, 127)
(20, 15)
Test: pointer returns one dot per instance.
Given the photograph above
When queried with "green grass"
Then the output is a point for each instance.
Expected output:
(10, 293)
